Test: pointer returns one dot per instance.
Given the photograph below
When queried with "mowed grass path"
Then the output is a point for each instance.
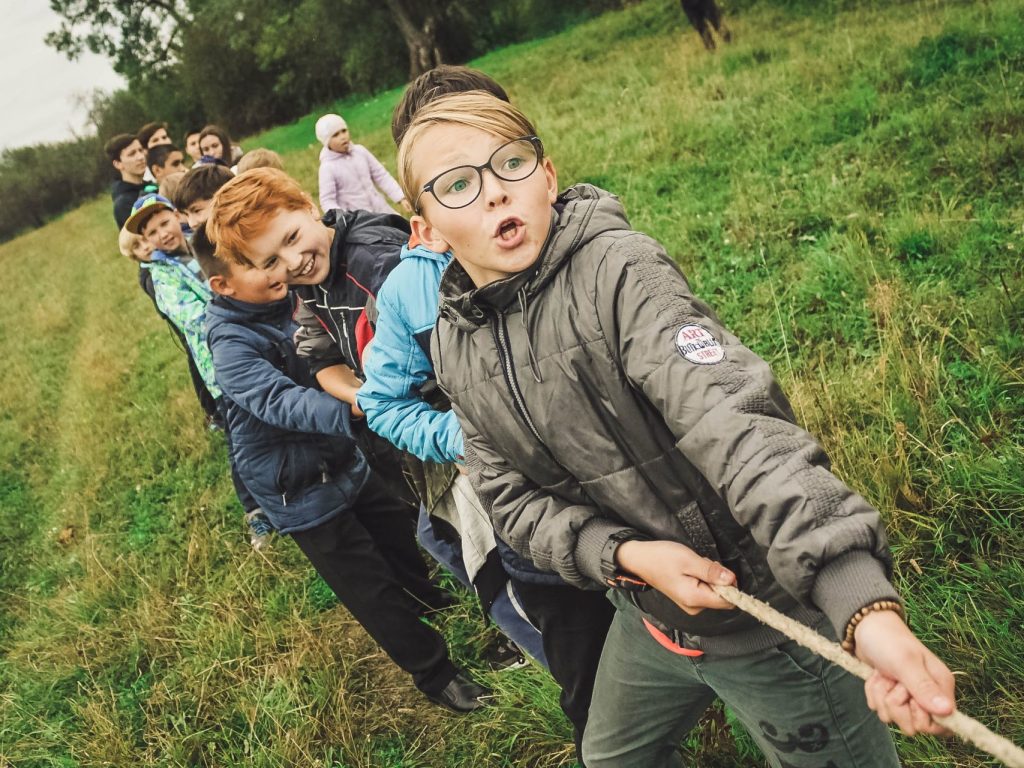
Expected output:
(846, 190)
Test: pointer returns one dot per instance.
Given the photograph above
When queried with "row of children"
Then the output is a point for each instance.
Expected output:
(574, 419)
(145, 159)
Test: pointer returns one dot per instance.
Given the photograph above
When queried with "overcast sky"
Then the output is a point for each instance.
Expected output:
(38, 85)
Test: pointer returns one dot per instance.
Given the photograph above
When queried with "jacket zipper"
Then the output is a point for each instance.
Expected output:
(342, 332)
(500, 331)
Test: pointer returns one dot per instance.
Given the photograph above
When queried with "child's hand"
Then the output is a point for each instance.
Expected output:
(341, 382)
(677, 572)
(404, 202)
(910, 683)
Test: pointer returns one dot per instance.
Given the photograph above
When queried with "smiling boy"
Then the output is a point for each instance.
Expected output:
(336, 264)
(298, 455)
(179, 287)
(629, 440)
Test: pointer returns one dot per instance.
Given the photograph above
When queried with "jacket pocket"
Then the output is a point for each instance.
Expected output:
(301, 466)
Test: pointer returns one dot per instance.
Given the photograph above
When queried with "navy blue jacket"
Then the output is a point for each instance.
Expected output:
(292, 443)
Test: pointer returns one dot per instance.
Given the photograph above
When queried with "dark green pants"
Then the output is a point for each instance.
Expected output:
(802, 711)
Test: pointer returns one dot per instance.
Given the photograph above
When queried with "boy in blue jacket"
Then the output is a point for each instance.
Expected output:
(294, 448)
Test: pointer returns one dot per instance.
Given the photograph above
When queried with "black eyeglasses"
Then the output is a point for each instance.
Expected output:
(460, 186)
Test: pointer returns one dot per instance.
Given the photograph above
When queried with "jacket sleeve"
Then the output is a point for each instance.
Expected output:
(390, 398)
(552, 533)
(187, 311)
(253, 383)
(328, 188)
(385, 181)
(825, 544)
(314, 343)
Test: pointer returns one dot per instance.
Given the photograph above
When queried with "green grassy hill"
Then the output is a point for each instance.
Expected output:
(845, 189)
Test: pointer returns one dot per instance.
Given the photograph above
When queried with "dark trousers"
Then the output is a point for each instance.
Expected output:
(368, 557)
(573, 624)
(244, 497)
(701, 13)
(206, 401)
(388, 464)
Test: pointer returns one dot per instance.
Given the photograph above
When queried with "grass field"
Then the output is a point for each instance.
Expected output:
(845, 188)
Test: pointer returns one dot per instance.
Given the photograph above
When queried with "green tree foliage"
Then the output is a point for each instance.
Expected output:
(140, 37)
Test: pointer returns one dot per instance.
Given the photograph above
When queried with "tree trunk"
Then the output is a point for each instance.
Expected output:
(421, 39)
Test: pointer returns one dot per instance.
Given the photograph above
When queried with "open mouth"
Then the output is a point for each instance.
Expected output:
(510, 231)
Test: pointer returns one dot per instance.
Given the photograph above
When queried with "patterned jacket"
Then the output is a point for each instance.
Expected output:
(181, 294)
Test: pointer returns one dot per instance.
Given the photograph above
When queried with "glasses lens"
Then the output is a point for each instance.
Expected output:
(457, 187)
(514, 161)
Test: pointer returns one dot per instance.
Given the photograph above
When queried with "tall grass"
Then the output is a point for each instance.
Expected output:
(845, 188)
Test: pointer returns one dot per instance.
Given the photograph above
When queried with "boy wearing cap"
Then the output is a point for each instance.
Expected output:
(179, 287)
(181, 293)
(351, 177)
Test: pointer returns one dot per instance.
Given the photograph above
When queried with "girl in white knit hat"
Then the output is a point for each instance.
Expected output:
(350, 176)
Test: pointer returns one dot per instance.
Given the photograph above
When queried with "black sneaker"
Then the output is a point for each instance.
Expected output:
(461, 695)
(503, 655)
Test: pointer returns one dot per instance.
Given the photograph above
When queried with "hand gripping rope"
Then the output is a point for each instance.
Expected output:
(967, 728)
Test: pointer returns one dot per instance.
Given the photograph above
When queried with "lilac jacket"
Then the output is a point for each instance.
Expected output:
(347, 181)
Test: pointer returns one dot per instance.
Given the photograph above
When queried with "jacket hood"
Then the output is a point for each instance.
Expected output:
(580, 214)
(359, 226)
(356, 227)
(224, 309)
(422, 252)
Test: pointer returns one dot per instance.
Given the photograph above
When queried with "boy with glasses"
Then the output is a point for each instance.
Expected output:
(630, 441)
(402, 403)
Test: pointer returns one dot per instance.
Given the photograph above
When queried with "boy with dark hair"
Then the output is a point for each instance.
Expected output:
(630, 441)
(297, 454)
(128, 157)
(163, 160)
(153, 135)
(432, 85)
(194, 195)
(190, 141)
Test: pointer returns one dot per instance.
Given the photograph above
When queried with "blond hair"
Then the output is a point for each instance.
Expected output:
(126, 242)
(171, 184)
(472, 109)
(260, 158)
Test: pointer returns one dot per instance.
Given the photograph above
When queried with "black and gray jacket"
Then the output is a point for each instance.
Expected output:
(598, 395)
(336, 317)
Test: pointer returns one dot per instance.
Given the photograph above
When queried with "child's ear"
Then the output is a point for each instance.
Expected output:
(221, 285)
(551, 176)
(429, 235)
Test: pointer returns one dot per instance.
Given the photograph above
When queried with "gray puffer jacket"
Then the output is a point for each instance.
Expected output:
(599, 395)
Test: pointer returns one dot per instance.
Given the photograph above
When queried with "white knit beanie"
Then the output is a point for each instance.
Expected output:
(328, 125)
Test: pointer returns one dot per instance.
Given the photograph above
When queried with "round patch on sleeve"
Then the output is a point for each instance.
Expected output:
(697, 345)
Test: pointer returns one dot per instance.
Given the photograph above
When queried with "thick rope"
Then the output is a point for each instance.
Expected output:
(967, 728)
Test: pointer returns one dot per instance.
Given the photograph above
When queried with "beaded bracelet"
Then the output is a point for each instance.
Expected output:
(878, 605)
